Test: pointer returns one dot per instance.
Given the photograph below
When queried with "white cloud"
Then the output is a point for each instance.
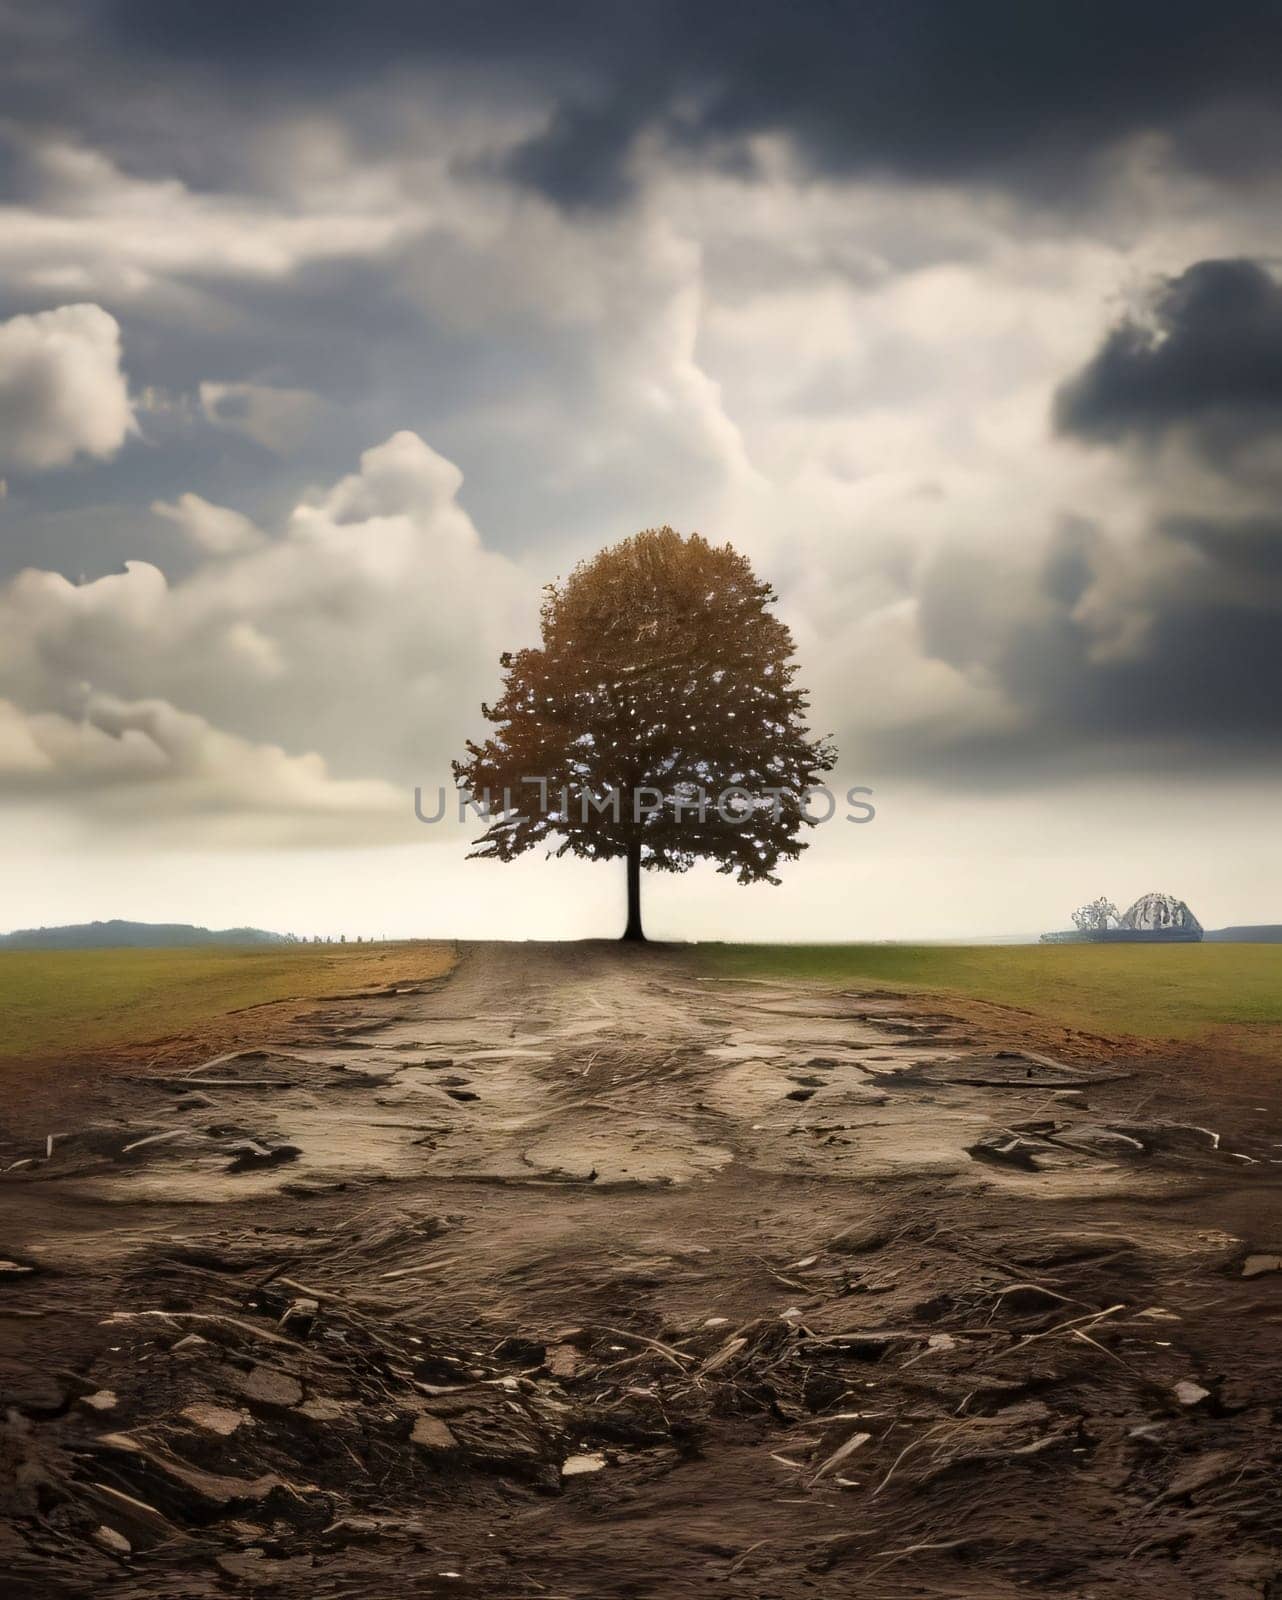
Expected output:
(277, 419)
(146, 767)
(62, 390)
(99, 230)
(217, 530)
(300, 675)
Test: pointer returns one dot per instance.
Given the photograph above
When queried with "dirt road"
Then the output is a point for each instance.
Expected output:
(579, 1274)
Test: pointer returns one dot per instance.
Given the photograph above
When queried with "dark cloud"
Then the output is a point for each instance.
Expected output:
(1208, 361)
(1205, 678)
(1180, 667)
(1158, 651)
(1249, 546)
(926, 88)
(581, 160)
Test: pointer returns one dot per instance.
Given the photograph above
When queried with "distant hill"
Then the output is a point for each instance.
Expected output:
(1252, 933)
(118, 935)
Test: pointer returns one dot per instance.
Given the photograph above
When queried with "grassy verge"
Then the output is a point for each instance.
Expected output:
(58, 1003)
(1147, 991)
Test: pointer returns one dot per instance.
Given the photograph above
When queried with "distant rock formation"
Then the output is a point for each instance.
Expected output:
(1153, 919)
(1160, 913)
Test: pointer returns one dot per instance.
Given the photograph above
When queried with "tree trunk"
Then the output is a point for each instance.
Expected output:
(633, 930)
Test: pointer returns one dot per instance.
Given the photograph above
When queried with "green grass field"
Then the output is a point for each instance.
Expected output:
(68, 1002)
(1148, 991)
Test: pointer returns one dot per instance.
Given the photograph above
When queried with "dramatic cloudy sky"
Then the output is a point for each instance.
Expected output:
(329, 333)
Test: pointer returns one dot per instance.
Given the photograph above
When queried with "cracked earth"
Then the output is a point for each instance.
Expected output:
(582, 1273)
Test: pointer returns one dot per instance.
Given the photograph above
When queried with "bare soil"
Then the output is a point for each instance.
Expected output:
(578, 1273)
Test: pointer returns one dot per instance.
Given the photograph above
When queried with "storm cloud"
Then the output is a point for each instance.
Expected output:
(1166, 657)
(1128, 620)
(1205, 360)
(1160, 641)
(996, 89)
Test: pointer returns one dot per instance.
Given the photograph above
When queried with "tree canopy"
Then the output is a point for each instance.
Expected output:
(658, 720)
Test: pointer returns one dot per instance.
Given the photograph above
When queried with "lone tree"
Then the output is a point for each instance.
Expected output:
(657, 721)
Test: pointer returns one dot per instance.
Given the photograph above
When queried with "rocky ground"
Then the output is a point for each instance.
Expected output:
(578, 1274)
